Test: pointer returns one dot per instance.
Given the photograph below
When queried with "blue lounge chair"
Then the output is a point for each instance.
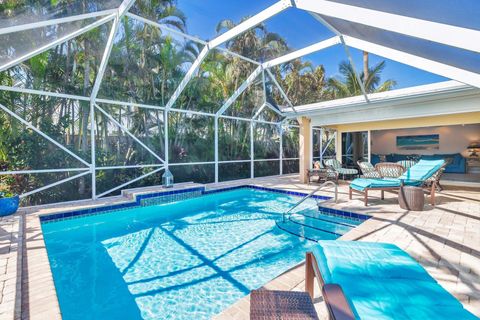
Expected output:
(416, 175)
(362, 280)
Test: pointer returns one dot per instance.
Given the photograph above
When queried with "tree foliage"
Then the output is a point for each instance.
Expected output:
(146, 65)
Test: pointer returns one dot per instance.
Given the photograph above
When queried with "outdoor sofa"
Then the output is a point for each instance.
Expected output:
(363, 280)
(456, 162)
(418, 175)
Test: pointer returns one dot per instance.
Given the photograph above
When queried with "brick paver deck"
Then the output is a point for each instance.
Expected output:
(445, 239)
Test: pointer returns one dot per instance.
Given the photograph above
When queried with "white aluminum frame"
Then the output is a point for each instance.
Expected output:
(423, 29)
(428, 30)
(432, 66)
(51, 22)
(284, 95)
(54, 43)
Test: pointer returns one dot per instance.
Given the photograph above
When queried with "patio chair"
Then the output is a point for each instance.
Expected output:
(335, 165)
(368, 170)
(415, 176)
(366, 280)
(407, 164)
(323, 173)
(389, 169)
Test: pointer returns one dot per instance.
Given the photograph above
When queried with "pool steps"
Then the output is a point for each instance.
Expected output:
(305, 232)
(317, 225)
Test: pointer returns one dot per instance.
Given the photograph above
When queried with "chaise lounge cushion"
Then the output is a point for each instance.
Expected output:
(423, 170)
(381, 281)
(347, 259)
(361, 184)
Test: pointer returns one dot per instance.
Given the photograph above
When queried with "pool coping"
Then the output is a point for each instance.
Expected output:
(136, 202)
(39, 289)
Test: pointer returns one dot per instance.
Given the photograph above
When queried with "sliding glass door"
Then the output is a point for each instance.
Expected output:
(354, 147)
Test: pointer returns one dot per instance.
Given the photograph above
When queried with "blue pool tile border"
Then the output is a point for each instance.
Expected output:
(138, 201)
(348, 214)
(115, 207)
(247, 186)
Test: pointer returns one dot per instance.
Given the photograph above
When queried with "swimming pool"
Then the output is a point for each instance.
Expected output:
(184, 260)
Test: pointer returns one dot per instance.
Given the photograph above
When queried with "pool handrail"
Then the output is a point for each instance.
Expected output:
(326, 183)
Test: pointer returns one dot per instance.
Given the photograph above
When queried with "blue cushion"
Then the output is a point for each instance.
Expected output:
(376, 298)
(363, 183)
(374, 159)
(369, 299)
(423, 170)
(381, 281)
(420, 312)
(347, 259)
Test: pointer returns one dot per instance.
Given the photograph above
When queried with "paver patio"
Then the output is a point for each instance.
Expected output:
(445, 239)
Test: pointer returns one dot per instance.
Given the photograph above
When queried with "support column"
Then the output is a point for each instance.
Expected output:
(369, 142)
(92, 150)
(165, 136)
(216, 149)
(252, 152)
(280, 129)
(320, 142)
(338, 145)
(305, 147)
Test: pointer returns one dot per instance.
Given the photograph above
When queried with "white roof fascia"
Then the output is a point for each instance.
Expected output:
(387, 97)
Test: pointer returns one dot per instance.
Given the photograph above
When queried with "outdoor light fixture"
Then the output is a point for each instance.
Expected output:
(167, 179)
(473, 147)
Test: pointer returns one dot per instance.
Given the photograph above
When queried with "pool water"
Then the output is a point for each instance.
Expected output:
(185, 260)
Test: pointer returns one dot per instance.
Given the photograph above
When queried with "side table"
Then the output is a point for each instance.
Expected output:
(281, 305)
(411, 198)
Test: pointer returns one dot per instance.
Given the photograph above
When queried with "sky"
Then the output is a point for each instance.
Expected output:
(300, 29)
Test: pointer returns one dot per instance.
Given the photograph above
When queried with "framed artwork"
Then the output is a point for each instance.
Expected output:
(419, 142)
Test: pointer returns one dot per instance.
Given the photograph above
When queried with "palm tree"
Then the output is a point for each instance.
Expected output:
(349, 85)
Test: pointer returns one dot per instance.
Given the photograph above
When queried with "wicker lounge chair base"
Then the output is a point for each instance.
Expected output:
(365, 192)
(423, 174)
(281, 305)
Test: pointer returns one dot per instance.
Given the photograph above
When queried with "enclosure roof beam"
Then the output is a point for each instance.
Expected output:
(57, 42)
(186, 36)
(232, 33)
(124, 7)
(251, 22)
(46, 23)
(302, 52)
(189, 75)
(432, 31)
(445, 70)
(259, 111)
(284, 95)
(240, 89)
(44, 93)
(122, 10)
(271, 107)
(347, 52)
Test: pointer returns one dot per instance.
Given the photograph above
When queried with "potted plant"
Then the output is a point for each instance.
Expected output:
(8, 203)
